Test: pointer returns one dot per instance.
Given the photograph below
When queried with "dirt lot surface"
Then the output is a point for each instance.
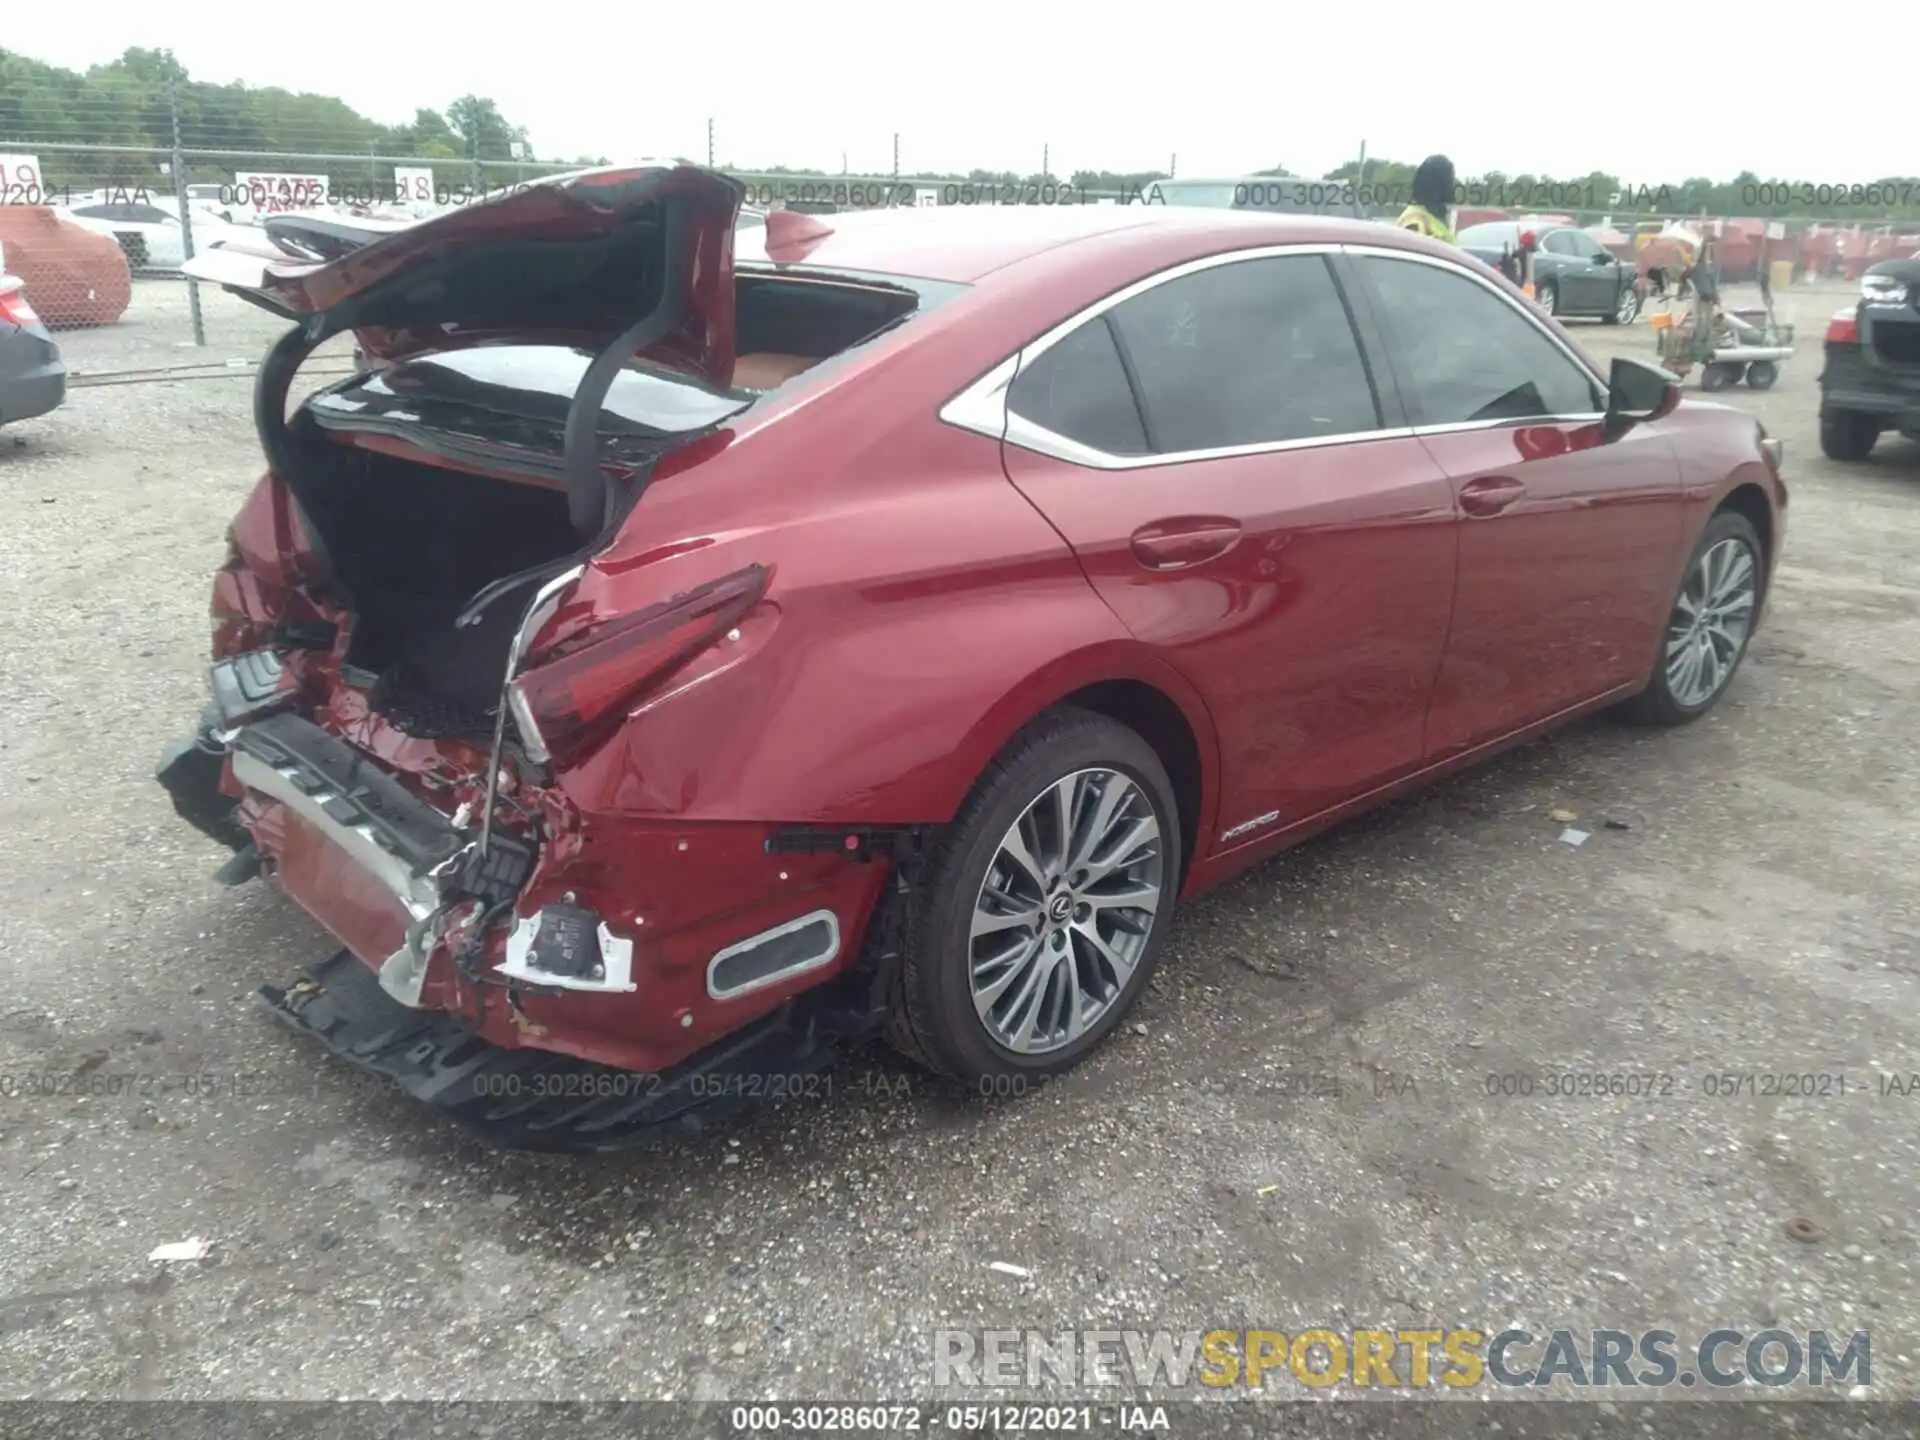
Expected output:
(1756, 916)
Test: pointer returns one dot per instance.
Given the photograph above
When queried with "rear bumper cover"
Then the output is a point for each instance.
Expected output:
(401, 885)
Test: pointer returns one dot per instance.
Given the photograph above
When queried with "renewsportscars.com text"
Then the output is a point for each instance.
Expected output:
(1458, 1358)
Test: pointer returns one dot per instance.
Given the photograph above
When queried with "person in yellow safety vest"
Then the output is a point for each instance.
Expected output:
(1432, 199)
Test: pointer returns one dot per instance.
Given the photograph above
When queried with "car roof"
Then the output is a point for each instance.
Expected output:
(965, 243)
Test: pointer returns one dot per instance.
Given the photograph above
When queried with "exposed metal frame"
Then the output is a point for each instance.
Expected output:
(982, 406)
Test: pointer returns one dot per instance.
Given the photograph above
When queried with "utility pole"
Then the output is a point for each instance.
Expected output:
(186, 211)
(1045, 151)
(709, 142)
(1173, 165)
(896, 156)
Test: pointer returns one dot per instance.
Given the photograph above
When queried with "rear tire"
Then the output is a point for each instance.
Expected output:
(1761, 374)
(1674, 695)
(1848, 435)
(1718, 376)
(934, 1017)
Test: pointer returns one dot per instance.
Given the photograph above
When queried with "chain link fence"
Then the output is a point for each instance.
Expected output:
(99, 228)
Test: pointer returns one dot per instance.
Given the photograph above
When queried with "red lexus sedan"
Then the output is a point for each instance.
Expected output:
(667, 661)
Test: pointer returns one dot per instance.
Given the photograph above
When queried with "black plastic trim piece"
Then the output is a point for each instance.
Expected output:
(856, 842)
(527, 1099)
(361, 791)
(247, 686)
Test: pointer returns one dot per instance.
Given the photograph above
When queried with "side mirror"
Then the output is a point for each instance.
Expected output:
(1605, 258)
(1636, 393)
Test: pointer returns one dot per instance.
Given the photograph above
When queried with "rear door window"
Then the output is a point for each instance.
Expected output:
(1466, 355)
(1247, 353)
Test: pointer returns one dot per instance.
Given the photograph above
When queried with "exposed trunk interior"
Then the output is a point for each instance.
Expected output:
(411, 543)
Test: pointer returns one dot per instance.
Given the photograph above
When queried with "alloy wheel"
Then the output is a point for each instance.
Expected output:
(1629, 306)
(1547, 297)
(1711, 621)
(1065, 910)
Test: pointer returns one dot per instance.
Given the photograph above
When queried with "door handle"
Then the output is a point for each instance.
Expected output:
(1490, 494)
(1189, 540)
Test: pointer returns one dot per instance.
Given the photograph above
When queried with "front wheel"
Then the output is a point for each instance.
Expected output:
(1044, 907)
(1708, 628)
(1761, 374)
(1627, 310)
(1848, 435)
(1719, 376)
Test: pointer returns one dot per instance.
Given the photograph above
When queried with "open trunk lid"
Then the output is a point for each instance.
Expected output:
(576, 257)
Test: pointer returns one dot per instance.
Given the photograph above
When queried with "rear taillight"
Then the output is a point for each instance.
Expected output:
(14, 307)
(1844, 328)
(569, 700)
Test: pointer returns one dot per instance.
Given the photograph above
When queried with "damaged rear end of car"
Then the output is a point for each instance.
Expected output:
(422, 665)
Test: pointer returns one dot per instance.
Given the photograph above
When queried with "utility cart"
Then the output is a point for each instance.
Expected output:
(1728, 345)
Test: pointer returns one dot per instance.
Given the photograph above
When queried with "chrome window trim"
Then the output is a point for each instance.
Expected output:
(982, 406)
(1508, 423)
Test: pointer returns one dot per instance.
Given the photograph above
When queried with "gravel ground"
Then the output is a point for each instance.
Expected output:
(1756, 915)
(157, 330)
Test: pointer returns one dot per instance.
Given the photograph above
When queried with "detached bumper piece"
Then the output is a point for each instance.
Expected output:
(535, 1099)
(190, 774)
(244, 687)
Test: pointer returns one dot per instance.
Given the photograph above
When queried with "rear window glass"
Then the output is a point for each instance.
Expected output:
(536, 382)
(1078, 388)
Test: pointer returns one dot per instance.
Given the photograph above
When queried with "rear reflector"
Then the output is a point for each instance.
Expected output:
(1844, 328)
(587, 684)
(774, 955)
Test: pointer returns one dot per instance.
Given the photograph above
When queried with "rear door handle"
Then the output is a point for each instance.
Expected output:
(1187, 540)
(1177, 544)
(1490, 494)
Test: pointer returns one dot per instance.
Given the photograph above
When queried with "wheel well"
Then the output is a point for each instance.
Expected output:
(1751, 501)
(1157, 720)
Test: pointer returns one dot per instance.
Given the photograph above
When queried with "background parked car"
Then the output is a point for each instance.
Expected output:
(1573, 273)
(33, 379)
(1871, 380)
(73, 276)
(149, 234)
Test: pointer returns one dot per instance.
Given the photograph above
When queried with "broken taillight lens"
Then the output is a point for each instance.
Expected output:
(1844, 328)
(568, 700)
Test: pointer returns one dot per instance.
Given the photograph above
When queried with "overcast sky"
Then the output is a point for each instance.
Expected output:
(1227, 87)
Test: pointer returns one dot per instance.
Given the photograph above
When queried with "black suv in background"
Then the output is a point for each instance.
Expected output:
(1573, 273)
(1871, 381)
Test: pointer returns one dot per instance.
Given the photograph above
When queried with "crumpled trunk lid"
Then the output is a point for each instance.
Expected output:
(574, 258)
